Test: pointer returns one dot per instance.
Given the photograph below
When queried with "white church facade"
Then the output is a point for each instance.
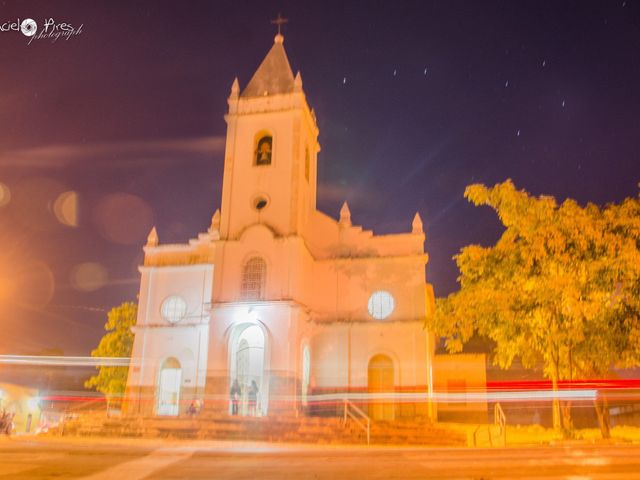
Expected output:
(286, 302)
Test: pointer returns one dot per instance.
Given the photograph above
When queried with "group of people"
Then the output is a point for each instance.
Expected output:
(237, 395)
(6, 422)
(194, 408)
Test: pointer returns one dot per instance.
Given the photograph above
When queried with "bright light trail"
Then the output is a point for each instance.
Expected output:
(60, 361)
(496, 391)
(463, 397)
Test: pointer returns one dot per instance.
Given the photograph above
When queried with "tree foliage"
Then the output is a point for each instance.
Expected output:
(560, 288)
(117, 342)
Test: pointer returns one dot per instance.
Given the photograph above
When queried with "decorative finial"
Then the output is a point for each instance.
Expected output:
(416, 225)
(152, 238)
(279, 21)
(215, 221)
(214, 228)
(345, 215)
(297, 82)
(235, 87)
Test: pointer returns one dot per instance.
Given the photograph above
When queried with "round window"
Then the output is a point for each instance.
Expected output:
(381, 305)
(260, 203)
(173, 309)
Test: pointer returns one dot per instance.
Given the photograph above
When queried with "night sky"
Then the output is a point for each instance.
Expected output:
(415, 100)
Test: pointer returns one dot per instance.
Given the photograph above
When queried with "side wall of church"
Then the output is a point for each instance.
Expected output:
(157, 340)
(343, 287)
(341, 353)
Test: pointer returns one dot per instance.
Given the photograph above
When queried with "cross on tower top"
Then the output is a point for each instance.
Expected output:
(279, 21)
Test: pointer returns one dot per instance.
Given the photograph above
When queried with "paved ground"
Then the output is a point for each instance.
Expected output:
(29, 458)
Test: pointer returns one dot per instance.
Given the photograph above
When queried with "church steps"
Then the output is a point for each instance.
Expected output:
(328, 430)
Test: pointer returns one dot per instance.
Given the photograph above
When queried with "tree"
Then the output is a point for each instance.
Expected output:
(117, 342)
(560, 288)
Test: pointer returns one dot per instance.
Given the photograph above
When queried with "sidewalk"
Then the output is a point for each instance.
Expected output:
(218, 445)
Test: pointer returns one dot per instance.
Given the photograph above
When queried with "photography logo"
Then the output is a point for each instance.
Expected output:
(28, 27)
(50, 29)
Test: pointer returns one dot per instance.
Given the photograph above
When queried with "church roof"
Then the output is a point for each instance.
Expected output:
(274, 74)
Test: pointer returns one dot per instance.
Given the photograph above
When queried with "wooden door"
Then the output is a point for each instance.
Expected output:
(381, 381)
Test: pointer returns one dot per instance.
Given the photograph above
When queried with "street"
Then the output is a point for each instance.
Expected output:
(91, 459)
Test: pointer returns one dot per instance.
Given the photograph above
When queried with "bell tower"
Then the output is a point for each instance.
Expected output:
(270, 165)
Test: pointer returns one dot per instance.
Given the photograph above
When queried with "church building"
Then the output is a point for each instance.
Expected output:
(279, 308)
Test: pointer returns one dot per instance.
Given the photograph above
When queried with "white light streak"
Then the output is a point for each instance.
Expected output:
(462, 397)
(60, 361)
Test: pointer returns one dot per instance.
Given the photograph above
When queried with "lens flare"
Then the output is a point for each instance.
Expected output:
(123, 218)
(32, 203)
(34, 284)
(65, 208)
(89, 276)
(5, 195)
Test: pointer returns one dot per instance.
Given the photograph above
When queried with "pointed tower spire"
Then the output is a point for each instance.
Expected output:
(152, 238)
(274, 75)
(416, 225)
(345, 215)
(235, 88)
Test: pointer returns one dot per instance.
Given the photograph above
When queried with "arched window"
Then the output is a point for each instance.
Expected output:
(254, 274)
(263, 151)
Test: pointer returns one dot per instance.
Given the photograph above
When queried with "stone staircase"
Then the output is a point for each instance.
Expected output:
(416, 433)
(302, 429)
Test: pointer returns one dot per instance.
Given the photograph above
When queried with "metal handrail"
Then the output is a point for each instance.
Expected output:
(357, 415)
(477, 430)
(500, 419)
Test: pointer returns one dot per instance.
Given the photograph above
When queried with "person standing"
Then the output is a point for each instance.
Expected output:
(253, 398)
(235, 397)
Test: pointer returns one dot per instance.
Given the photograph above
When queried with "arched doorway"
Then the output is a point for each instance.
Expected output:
(169, 382)
(380, 381)
(247, 365)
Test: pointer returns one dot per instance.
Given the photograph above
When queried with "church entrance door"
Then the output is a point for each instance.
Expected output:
(381, 382)
(169, 388)
(247, 367)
